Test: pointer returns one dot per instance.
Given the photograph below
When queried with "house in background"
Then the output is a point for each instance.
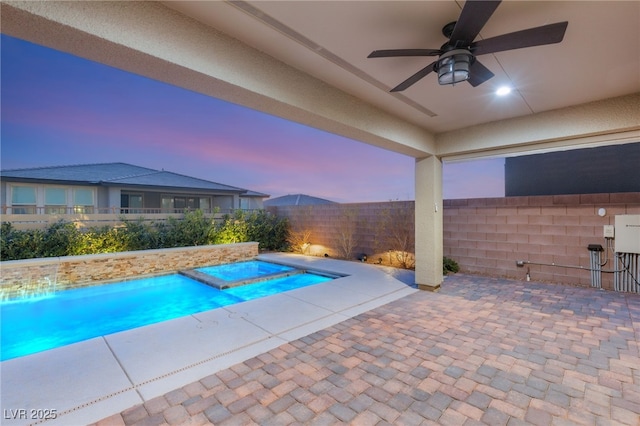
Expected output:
(605, 169)
(116, 188)
(296, 200)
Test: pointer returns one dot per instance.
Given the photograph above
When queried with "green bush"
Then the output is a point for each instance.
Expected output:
(233, 229)
(449, 265)
(16, 244)
(57, 239)
(271, 231)
(105, 239)
(63, 239)
(193, 230)
(141, 236)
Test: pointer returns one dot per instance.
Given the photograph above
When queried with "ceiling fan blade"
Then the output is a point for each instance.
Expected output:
(478, 74)
(413, 79)
(546, 34)
(474, 15)
(403, 52)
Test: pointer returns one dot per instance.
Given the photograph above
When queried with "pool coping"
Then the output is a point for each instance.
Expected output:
(88, 381)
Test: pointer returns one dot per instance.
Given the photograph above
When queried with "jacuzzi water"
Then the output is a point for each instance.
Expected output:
(29, 326)
(244, 270)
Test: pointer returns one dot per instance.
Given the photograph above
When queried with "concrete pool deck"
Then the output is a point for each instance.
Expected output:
(87, 381)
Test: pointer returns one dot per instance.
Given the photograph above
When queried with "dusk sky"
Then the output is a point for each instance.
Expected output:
(58, 109)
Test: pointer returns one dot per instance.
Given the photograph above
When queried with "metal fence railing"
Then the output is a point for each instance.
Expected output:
(100, 217)
(65, 210)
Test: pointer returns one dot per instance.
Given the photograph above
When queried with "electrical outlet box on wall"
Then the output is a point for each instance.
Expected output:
(627, 233)
(609, 231)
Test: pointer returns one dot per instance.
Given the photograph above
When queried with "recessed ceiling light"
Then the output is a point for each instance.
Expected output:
(503, 90)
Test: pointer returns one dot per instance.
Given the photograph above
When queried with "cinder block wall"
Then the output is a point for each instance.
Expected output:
(34, 276)
(372, 223)
(487, 235)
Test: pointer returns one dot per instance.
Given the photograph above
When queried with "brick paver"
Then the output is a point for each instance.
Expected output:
(481, 351)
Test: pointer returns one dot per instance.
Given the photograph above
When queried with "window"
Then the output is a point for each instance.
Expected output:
(180, 203)
(23, 199)
(167, 204)
(205, 205)
(130, 203)
(83, 201)
(55, 200)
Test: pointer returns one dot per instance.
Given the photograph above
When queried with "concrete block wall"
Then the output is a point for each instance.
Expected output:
(488, 235)
(372, 225)
(38, 276)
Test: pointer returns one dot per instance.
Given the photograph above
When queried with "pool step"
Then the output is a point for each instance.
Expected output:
(222, 284)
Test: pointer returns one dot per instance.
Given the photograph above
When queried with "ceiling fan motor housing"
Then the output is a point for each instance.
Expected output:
(447, 30)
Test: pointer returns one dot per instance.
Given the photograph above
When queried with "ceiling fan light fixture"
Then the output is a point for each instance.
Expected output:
(453, 66)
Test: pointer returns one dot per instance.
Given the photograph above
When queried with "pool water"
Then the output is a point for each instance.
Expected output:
(34, 325)
(244, 270)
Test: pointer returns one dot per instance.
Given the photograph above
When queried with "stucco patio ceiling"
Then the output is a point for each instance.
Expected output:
(598, 59)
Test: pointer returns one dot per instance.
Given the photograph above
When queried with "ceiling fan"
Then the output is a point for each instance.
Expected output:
(457, 57)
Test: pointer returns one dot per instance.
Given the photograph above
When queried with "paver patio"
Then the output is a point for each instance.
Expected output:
(481, 351)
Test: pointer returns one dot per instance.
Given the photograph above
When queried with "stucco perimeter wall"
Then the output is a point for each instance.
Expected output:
(487, 235)
(37, 276)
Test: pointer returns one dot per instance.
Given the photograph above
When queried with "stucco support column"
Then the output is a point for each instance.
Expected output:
(428, 223)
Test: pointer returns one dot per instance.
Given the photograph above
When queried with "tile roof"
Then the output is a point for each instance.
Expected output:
(296, 200)
(250, 193)
(109, 174)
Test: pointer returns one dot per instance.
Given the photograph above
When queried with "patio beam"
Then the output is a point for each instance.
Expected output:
(605, 122)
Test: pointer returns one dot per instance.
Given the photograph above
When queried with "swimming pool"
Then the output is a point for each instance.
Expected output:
(30, 326)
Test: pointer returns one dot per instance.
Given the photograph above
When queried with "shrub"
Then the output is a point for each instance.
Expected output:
(299, 236)
(299, 240)
(346, 236)
(270, 231)
(449, 265)
(63, 239)
(140, 235)
(105, 239)
(396, 234)
(57, 238)
(233, 229)
(192, 230)
(17, 244)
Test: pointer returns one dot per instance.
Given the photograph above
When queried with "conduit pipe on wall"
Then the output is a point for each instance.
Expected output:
(622, 282)
(521, 263)
(591, 248)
